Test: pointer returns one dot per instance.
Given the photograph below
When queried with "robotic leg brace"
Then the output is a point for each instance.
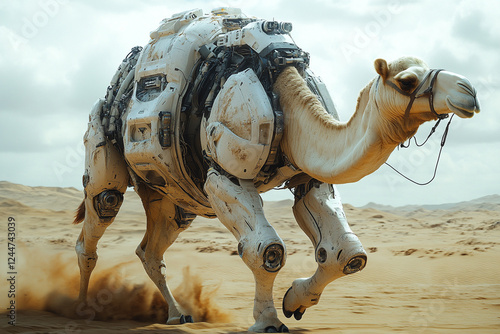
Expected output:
(239, 208)
(338, 251)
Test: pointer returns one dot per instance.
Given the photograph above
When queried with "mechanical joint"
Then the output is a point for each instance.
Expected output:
(107, 203)
(351, 256)
(346, 254)
(274, 257)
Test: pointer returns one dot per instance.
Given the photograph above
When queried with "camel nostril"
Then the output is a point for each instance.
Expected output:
(466, 86)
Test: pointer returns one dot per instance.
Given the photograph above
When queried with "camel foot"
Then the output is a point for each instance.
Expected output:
(297, 299)
(183, 319)
(268, 322)
(297, 314)
(270, 329)
(287, 313)
(281, 329)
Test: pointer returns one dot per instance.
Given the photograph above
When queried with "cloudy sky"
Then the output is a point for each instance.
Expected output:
(58, 56)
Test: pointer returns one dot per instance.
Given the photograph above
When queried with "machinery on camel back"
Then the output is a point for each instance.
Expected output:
(198, 96)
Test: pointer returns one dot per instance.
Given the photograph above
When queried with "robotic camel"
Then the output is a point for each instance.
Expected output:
(218, 108)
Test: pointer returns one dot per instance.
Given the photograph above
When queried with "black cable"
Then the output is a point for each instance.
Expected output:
(443, 141)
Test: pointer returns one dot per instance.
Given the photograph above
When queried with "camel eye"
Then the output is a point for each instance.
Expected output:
(407, 84)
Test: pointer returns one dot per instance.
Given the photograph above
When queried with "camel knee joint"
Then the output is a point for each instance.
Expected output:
(345, 254)
(269, 255)
(107, 203)
(273, 257)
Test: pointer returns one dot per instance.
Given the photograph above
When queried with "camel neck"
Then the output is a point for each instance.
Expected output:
(322, 147)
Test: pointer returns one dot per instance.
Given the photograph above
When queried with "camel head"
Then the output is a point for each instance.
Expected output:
(452, 93)
(408, 93)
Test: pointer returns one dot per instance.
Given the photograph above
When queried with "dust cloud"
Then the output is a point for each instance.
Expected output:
(50, 282)
(198, 300)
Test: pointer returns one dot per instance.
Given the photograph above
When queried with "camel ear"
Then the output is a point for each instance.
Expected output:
(381, 68)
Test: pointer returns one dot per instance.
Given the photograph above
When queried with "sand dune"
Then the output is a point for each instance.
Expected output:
(431, 269)
(489, 203)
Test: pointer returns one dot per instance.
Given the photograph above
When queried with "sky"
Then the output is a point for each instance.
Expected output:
(58, 56)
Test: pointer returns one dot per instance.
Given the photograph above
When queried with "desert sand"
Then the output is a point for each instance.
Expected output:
(430, 270)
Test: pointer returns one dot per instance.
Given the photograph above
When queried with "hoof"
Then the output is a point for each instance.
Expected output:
(298, 314)
(287, 313)
(183, 319)
(281, 329)
(186, 319)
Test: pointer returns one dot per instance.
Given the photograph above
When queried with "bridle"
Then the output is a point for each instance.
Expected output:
(433, 73)
(414, 95)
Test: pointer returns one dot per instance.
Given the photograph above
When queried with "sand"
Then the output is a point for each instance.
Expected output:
(429, 271)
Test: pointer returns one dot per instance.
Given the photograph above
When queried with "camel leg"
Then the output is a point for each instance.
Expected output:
(94, 227)
(105, 180)
(338, 251)
(239, 208)
(164, 223)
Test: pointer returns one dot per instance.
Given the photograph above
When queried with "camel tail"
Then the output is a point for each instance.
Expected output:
(80, 213)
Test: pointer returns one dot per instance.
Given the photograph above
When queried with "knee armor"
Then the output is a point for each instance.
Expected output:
(271, 257)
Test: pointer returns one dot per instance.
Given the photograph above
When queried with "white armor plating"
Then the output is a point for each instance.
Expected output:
(191, 121)
(239, 131)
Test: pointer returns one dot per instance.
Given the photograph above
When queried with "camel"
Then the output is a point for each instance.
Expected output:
(198, 127)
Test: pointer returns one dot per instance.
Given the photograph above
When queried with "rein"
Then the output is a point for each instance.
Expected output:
(414, 95)
(443, 141)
